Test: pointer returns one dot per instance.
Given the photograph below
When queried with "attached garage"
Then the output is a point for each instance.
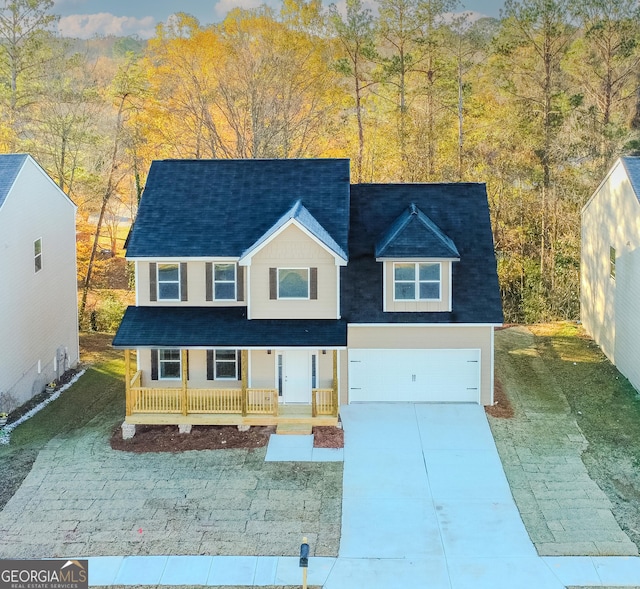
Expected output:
(410, 375)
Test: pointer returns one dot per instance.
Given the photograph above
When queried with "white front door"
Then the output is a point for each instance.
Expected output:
(295, 366)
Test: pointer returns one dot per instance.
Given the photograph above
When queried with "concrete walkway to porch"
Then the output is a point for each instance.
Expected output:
(425, 502)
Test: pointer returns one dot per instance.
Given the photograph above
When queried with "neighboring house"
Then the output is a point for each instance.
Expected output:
(38, 284)
(610, 267)
(272, 291)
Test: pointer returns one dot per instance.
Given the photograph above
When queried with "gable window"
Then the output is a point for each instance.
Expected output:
(224, 282)
(169, 364)
(416, 281)
(612, 262)
(168, 282)
(37, 254)
(293, 283)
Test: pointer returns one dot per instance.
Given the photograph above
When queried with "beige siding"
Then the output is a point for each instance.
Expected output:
(414, 306)
(293, 249)
(263, 369)
(196, 287)
(39, 316)
(610, 308)
(428, 338)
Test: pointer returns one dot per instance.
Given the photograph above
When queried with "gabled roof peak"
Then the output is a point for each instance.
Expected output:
(413, 234)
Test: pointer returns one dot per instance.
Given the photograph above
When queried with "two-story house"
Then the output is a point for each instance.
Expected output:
(272, 291)
(38, 281)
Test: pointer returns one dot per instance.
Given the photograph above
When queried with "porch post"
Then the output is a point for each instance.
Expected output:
(245, 379)
(127, 380)
(334, 394)
(184, 359)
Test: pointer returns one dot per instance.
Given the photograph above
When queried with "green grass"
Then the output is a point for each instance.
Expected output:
(605, 405)
(97, 397)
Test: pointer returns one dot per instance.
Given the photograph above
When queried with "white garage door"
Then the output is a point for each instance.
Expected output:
(414, 376)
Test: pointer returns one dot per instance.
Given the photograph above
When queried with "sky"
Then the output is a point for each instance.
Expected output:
(90, 18)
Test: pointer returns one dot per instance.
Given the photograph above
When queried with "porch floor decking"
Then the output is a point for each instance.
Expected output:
(287, 415)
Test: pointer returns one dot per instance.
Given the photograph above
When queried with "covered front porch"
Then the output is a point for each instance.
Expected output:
(292, 400)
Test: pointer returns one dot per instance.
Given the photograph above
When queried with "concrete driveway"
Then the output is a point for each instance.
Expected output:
(425, 497)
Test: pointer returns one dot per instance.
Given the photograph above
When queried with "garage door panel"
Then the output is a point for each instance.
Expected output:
(414, 375)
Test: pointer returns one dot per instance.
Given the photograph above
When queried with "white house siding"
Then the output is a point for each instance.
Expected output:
(610, 308)
(38, 311)
(430, 337)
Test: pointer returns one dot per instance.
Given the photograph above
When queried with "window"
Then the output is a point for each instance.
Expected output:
(226, 365)
(37, 253)
(293, 283)
(169, 364)
(168, 282)
(416, 281)
(612, 262)
(224, 282)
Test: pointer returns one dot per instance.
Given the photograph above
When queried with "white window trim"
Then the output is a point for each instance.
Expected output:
(234, 281)
(307, 298)
(36, 256)
(161, 362)
(179, 298)
(417, 282)
(215, 364)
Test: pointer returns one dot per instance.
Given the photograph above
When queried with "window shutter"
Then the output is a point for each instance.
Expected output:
(153, 282)
(208, 272)
(210, 367)
(313, 284)
(183, 282)
(240, 283)
(154, 364)
(187, 364)
(273, 283)
(239, 363)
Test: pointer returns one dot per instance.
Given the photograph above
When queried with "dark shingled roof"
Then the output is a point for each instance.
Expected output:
(175, 327)
(461, 212)
(10, 165)
(221, 207)
(414, 235)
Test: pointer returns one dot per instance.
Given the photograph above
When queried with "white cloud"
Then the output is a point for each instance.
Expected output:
(86, 26)
(223, 7)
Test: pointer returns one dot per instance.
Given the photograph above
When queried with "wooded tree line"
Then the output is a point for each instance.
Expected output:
(537, 104)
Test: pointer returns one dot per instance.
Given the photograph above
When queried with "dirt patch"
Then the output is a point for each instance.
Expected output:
(501, 407)
(166, 438)
(328, 437)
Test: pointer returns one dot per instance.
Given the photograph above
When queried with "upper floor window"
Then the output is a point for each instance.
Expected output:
(224, 282)
(168, 282)
(612, 262)
(416, 281)
(293, 283)
(37, 254)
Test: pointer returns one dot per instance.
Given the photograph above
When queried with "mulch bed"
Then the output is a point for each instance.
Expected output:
(501, 407)
(165, 438)
(328, 437)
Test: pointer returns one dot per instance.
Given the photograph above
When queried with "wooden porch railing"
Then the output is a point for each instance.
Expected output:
(171, 400)
(322, 402)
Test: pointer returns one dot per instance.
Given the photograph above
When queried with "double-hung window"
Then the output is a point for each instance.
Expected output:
(224, 282)
(417, 281)
(226, 365)
(169, 364)
(168, 282)
(37, 254)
